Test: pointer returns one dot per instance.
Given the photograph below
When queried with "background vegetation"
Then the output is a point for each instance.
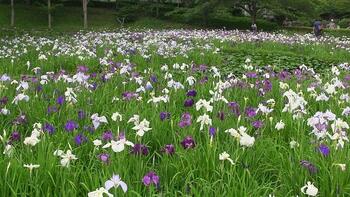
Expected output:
(269, 15)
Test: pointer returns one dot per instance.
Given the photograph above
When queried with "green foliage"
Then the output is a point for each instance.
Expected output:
(281, 56)
(129, 13)
(222, 18)
(55, 5)
(153, 23)
(334, 8)
(219, 18)
(66, 19)
(344, 23)
(331, 32)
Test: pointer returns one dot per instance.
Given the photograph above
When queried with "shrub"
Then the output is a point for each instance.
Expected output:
(344, 23)
(221, 18)
(240, 23)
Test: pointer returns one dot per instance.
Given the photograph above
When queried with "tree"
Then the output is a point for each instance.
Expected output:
(49, 7)
(85, 2)
(294, 9)
(333, 9)
(49, 12)
(12, 13)
(204, 8)
(253, 7)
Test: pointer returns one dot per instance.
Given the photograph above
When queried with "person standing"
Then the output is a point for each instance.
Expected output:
(317, 28)
(332, 25)
(254, 28)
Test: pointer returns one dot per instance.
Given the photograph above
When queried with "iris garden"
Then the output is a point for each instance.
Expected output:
(166, 113)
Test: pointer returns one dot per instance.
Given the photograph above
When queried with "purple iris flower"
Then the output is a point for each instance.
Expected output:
(51, 109)
(164, 115)
(121, 136)
(135, 74)
(189, 103)
(20, 120)
(192, 93)
(324, 149)
(185, 120)
(212, 131)
(3, 100)
(93, 86)
(81, 114)
(283, 75)
(93, 75)
(148, 86)
(80, 139)
(129, 95)
(309, 166)
(267, 85)
(298, 74)
(90, 129)
(140, 149)
(251, 75)
(60, 100)
(188, 142)
(250, 112)
(15, 136)
(203, 80)
(82, 69)
(70, 125)
(321, 127)
(221, 115)
(104, 157)
(203, 67)
(234, 107)
(154, 78)
(257, 124)
(347, 77)
(151, 178)
(169, 149)
(49, 128)
(39, 88)
(107, 136)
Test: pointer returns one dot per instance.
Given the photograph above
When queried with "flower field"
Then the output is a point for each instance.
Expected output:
(172, 113)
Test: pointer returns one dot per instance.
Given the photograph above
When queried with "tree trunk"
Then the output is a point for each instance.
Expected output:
(49, 12)
(253, 18)
(12, 13)
(254, 12)
(85, 2)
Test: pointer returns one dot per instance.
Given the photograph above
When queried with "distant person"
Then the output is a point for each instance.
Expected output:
(254, 28)
(332, 25)
(317, 28)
